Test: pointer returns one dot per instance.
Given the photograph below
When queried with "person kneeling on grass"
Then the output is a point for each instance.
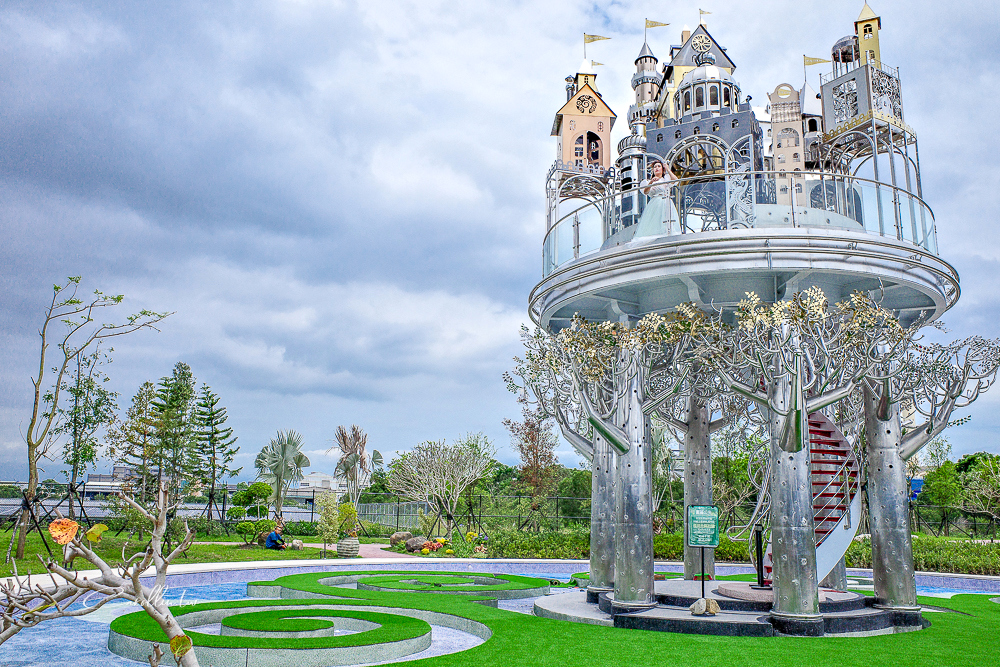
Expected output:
(274, 540)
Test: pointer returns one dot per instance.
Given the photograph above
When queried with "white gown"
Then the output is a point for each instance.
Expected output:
(658, 217)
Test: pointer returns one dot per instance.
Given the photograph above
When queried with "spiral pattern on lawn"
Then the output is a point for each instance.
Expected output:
(386, 617)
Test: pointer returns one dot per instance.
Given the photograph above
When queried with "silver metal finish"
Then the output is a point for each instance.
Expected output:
(716, 269)
(796, 591)
(888, 508)
(602, 518)
(697, 481)
(633, 494)
(837, 579)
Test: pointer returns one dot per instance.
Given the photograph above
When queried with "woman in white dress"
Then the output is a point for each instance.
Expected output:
(657, 218)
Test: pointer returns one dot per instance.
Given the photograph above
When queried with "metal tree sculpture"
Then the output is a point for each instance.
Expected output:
(29, 601)
(792, 359)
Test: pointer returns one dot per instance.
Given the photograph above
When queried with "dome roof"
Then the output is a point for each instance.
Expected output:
(706, 73)
(844, 50)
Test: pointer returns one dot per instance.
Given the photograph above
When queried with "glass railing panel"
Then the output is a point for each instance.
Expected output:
(591, 230)
(564, 242)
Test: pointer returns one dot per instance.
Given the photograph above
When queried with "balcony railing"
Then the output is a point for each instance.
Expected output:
(743, 200)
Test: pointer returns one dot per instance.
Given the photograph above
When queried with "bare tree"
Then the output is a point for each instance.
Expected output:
(354, 466)
(29, 601)
(81, 331)
(438, 473)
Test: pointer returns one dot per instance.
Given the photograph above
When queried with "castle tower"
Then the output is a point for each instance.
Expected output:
(735, 231)
(584, 124)
(866, 30)
(786, 138)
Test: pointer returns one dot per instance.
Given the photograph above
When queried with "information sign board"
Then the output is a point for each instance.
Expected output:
(702, 526)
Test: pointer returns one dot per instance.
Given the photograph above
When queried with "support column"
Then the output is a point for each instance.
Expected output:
(793, 540)
(888, 507)
(602, 520)
(837, 579)
(697, 482)
(633, 491)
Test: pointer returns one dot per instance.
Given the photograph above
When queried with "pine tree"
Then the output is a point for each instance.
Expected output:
(133, 444)
(173, 406)
(215, 445)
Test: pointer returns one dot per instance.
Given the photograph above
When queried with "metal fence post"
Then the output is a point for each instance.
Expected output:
(397, 514)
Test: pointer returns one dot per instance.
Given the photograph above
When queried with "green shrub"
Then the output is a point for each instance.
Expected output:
(518, 544)
(265, 526)
(236, 513)
(9, 491)
(934, 554)
(301, 528)
(247, 530)
(348, 518)
(670, 546)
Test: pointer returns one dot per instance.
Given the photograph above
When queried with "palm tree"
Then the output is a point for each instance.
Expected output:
(354, 466)
(280, 463)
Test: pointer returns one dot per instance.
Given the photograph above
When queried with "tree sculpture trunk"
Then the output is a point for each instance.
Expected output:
(697, 481)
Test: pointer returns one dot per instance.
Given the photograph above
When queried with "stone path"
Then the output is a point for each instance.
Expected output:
(365, 550)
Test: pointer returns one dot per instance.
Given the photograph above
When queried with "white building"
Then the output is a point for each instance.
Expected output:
(321, 481)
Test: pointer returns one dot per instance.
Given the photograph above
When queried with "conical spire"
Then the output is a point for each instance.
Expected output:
(646, 52)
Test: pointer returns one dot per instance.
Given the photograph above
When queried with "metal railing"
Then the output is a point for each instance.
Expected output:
(743, 200)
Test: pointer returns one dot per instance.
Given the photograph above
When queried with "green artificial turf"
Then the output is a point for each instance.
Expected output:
(968, 638)
(394, 627)
(436, 582)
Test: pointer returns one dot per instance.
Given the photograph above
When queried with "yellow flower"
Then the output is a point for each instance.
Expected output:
(425, 551)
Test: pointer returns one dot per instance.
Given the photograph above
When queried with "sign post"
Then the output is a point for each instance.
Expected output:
(702, 528)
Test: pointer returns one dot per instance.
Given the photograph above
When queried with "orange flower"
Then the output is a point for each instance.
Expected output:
(63, 530)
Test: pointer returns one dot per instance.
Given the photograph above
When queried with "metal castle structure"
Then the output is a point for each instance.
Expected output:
(813, 191)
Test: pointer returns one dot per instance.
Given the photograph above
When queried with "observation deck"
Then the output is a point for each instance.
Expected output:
(774, 233)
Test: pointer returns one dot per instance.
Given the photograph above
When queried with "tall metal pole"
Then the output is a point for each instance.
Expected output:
(888, 507)
(796, 592)
(697, 480)
(633, 494)
(602, 520)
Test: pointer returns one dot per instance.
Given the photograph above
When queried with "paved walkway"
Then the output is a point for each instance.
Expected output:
(365, 550)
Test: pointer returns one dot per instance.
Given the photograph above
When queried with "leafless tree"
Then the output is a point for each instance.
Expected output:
(29, 601)
(81, 330)
(438, 473)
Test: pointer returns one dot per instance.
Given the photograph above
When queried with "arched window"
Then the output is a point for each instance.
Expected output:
(725, 95)
(788, 137)
(697, 130)
(593, 148)
(736, 122)
(798, 188)
(677, 134)
(715, 127)
(713, 96)
(783, 189)
(687, 100)
(781, 158)
(795, 157)
(659, 137)
(699, 97)
(813, 125)
(578, 147)
(600, 126)
(871, 56)
(868, 31)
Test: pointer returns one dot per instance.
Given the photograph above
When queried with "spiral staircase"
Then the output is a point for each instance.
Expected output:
(836, 480)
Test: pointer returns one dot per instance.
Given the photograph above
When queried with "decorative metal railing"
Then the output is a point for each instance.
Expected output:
(743, 199)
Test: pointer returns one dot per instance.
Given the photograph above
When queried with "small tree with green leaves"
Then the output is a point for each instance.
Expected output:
(328, 523)
(132, 443)
(173, 407)
(214, 445)
(90, 406)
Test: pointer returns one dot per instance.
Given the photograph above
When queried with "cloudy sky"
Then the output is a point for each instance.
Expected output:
(343, 202)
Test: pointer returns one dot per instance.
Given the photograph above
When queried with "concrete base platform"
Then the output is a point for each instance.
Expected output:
(842, 613)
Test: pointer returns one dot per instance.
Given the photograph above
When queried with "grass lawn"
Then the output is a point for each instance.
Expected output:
(110, 548)
(968, 638)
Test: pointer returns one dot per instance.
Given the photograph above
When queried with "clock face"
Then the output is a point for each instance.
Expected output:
(701, 43)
